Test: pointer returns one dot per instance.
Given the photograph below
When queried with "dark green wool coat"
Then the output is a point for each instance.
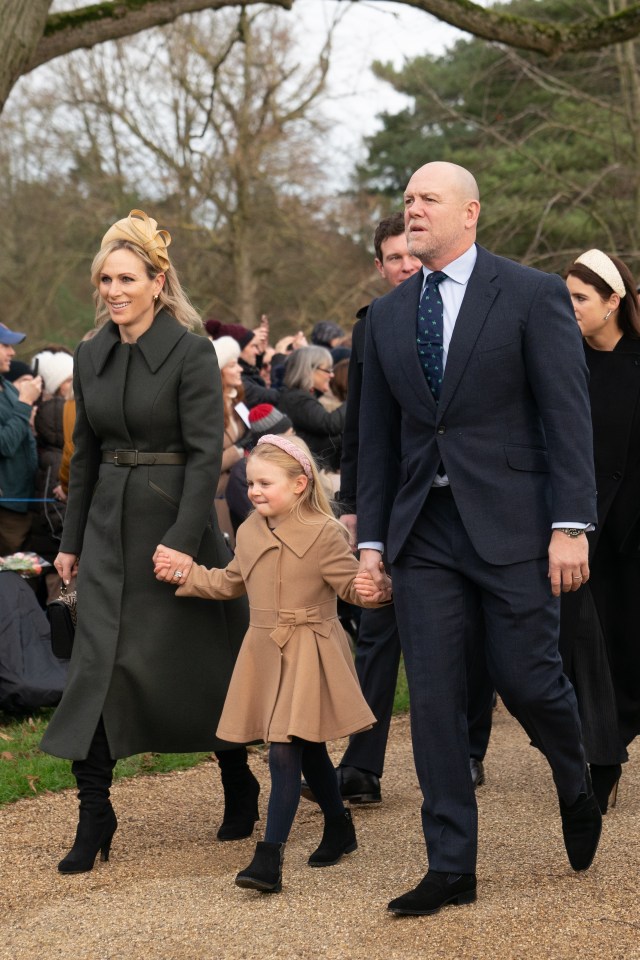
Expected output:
(155, 666)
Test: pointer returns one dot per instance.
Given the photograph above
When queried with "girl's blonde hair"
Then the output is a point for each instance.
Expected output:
(313, 497)
(171, 298)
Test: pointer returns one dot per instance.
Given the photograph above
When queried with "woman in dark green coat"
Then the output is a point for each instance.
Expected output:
(149, 671)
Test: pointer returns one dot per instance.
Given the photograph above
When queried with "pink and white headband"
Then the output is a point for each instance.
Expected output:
(276, 440)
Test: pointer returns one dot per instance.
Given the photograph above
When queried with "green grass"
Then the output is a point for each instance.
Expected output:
(26, 771)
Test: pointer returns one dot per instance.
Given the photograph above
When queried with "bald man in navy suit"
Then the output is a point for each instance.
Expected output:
(476, 484)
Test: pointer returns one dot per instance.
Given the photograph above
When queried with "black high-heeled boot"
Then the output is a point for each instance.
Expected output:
(265, 870)
(241, 790)
(94, 834)
(97, 821)
(605, 779)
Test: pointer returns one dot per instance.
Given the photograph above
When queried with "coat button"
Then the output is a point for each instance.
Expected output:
(442, 429)
(617, 476)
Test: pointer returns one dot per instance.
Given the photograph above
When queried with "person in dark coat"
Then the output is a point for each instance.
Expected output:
(307, 377)
(255, 387)
(599, 625)
(476, 481)
(149, 672)
(18, 458)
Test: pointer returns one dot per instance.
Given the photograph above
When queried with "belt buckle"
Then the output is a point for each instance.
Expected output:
(126, 463)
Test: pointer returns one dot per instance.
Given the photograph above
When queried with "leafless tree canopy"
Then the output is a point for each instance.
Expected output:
(30, 36)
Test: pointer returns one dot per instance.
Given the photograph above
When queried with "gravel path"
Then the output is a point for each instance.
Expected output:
(168, 891)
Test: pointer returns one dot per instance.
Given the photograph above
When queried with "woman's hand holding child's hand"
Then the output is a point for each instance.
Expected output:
(167, 563)
(368, 591)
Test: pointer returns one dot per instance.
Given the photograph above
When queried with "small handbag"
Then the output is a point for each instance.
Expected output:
(62, 618)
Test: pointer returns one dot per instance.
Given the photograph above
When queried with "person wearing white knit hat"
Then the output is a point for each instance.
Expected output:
(227, 350)
(56, 369)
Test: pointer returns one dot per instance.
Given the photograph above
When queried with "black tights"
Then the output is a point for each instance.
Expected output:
(287, 762)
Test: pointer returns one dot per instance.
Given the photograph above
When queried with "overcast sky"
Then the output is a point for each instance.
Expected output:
(367, 32)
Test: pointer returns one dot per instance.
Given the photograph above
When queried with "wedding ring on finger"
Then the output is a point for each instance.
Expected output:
(576, 578)
(177, 574)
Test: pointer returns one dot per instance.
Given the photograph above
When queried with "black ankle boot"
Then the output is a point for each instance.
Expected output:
(338, 838)
(241, 790)
(265, 870)
(95, 833)
(604, 780)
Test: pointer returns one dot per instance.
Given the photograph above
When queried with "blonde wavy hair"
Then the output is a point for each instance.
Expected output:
(171, 298)
(313, 498)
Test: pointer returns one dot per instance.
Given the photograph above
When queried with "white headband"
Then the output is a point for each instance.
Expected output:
(604, 267)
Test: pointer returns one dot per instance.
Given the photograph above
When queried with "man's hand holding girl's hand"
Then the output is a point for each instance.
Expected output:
(372, 592)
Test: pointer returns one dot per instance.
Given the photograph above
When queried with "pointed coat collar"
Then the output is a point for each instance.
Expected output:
(155, 345)
(298, 536)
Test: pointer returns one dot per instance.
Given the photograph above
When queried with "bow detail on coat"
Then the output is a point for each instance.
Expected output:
(290, 620)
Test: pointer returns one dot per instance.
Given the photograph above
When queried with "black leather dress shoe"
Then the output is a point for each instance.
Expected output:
(581, 828)
(434, 891)
(477, 772)
(356, 786)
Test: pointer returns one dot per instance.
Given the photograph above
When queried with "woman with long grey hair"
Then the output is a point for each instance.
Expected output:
(307, 378)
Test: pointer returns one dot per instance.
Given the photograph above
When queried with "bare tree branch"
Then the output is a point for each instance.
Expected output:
(110, 21)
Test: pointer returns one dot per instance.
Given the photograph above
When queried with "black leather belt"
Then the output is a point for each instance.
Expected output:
(135, 458)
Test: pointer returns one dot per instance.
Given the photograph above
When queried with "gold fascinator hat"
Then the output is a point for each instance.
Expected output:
(142, 230)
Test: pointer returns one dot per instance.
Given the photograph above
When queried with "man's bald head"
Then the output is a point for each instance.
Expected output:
(441, 212)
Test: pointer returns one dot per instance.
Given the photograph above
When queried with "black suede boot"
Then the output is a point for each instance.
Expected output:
(338, 838)
(265, 870)
(605, 781)
(97, 821)
(241, 791)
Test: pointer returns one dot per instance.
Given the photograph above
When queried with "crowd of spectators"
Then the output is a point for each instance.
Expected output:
(293, 385)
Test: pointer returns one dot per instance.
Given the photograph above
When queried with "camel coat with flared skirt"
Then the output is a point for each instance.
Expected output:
(294, 676)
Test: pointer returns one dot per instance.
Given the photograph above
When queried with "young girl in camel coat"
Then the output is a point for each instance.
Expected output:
(294, 684)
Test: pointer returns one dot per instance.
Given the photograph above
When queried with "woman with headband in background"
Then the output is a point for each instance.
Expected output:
(148, 672)
(599, 624)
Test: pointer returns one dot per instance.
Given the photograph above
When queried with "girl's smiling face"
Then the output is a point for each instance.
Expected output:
(271, 491)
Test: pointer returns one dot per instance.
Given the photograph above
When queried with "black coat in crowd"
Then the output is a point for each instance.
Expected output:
(320, 429)
(600, 631)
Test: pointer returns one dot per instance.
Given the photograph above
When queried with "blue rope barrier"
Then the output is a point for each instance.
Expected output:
(27, 500)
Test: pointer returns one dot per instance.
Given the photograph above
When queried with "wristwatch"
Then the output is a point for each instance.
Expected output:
(571, 531)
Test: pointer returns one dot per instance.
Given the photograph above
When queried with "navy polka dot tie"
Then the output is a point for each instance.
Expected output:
(430, 332)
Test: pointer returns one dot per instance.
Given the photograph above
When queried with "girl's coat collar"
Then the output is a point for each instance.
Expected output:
(298, 536)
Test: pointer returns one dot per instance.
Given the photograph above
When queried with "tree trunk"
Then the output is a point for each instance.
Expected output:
(22, 24)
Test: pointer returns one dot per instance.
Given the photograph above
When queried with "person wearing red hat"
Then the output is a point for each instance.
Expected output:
(18, 459)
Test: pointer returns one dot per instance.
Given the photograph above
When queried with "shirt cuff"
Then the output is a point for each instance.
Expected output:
(371, 545)
(587, 527)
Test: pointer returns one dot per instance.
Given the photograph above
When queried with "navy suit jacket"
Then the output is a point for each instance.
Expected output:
(512, 427)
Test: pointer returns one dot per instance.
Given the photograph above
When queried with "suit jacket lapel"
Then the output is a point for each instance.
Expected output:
(479, 296)
(405, 332)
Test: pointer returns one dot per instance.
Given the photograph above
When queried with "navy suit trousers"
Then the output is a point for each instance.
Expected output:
(439, 583)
